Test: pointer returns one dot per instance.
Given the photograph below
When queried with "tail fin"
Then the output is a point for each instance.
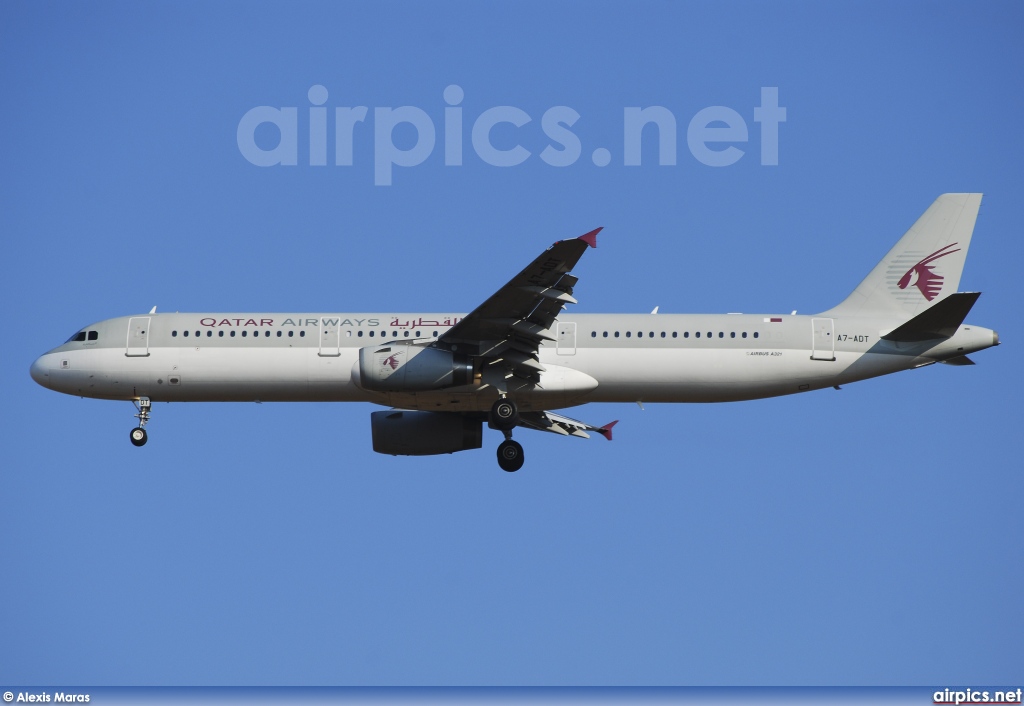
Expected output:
(923, 267)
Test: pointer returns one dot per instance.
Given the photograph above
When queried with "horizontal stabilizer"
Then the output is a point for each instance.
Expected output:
(959, 360)
(939, 321)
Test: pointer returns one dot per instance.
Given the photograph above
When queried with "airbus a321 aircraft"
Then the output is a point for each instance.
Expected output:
(519, 355)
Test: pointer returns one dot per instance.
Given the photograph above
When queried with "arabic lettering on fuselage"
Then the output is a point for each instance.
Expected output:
(425, 323)
(241, 322)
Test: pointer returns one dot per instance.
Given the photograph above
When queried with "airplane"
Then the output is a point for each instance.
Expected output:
(519, 356)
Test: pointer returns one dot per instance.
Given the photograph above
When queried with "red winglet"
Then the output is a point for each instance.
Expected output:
(591, 237)
(606, 430)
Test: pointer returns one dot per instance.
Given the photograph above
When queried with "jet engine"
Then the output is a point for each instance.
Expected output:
(403, 367)
(404, 433)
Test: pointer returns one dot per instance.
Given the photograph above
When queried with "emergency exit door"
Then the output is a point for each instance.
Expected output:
(330, 336)
(566, 336)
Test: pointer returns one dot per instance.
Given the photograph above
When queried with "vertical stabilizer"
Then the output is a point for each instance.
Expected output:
(923, 267)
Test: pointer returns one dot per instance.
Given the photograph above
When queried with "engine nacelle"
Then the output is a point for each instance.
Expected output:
(400, 367)
(404, 433)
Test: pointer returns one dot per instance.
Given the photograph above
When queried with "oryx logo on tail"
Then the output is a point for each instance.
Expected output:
(927, 281)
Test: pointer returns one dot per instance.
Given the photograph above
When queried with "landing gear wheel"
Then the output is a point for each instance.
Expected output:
(504, 414)
(138, 436)
(510, 456)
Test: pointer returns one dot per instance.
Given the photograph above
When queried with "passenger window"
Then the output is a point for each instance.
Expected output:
(593, 334)
(185, 334)
(605, 334)
(744, 334)
(663, 334)
(290, 334)
(721, 334)
(174, 334)
(639, 334)
(651, 334)
(709, 334)
(279, 334)
(232, 334)
(406, 334)
(732, 334)
(755, 334)
(360, 334)
(244, 334)
(628, 334)
(697, 334)
(686, 334)
(209, 334)
(616, 334)
(302, 334)
(676, 335)
(221, 334)
(417, 334)
(371, 334)
(198, 334)
(435, 334)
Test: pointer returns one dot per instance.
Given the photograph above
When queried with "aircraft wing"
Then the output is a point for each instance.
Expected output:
(510, 326)
(556, 423)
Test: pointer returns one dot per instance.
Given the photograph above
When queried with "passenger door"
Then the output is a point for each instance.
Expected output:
(823, 344)
(138, 336)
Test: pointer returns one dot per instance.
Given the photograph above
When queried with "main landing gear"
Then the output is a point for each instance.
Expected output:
(138, 435)
(504, 417)
(510, 455)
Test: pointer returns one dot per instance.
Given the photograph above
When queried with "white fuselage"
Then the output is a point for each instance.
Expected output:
(595, 358)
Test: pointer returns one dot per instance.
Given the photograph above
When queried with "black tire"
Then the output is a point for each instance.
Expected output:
(138, 436)
(504, 414)
(510, 456)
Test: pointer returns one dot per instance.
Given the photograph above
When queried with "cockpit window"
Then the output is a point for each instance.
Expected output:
(80, 336)
(93, 335)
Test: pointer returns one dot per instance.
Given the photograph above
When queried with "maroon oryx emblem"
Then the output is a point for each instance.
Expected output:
(927, 281)
(391, 360)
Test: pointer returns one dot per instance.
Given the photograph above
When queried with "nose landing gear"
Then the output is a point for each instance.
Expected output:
(138, 435)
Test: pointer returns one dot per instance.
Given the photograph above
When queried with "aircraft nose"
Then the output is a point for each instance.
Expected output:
(995, 338)
(40, 371)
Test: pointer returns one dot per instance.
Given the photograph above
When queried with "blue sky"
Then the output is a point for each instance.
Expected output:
(868, 536)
